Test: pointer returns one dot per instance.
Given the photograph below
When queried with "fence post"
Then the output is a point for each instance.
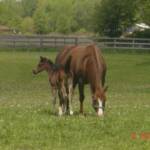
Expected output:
(114, 43)
(133, 43)
(64, 41)
(41, 42)
(55, 42)
(14, 42)
(76, 40)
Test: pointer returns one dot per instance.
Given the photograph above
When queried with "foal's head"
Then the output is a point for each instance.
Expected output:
(43, 65)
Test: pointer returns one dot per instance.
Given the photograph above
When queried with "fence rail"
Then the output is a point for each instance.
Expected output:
(130, 43)
(41, 41)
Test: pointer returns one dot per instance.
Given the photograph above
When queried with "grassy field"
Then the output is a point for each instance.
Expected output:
(27, 122)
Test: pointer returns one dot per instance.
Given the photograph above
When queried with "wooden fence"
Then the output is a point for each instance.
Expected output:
(18, 41)
(126, 43)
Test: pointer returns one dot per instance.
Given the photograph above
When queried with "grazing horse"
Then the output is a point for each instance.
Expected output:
(88, 67)
(58, 78)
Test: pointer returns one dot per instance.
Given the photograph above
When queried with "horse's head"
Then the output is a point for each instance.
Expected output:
(44, 64)
(99, 100)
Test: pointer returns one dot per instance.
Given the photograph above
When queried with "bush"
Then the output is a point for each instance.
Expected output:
(27, 25)
(141, 34)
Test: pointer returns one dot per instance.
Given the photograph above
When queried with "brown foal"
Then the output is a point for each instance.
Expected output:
(60, 81)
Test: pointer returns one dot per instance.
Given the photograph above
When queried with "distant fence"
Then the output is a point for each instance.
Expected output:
(41, 41)
(129, 43)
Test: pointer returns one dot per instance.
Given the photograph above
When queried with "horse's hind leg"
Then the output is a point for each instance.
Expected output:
(61, 104)
(81, 93)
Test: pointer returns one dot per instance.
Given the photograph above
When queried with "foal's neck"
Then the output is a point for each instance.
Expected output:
(49, 69)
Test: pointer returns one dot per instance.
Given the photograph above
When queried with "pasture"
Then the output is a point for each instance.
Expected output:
(27, 122)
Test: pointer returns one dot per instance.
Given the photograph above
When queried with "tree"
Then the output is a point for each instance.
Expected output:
(54, 16)
(10, 14)
(144, 11)
(84, 13)
(113, 17)
(28, 7)
(27, 25)
(40, 21)
(61, 16)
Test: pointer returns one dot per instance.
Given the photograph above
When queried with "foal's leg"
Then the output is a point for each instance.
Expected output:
(60, 109)
(54, 97)
(81, 92)
(64, 97)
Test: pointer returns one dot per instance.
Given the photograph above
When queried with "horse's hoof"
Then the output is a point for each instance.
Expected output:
(71, 112)
(100, 114)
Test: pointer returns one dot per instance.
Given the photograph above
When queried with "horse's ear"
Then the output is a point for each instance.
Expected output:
(67, 65)
(105, 88)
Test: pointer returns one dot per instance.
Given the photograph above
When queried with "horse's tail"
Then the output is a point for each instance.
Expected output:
(67, 65)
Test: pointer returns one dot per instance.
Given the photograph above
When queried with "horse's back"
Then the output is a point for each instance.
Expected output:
(86, 60)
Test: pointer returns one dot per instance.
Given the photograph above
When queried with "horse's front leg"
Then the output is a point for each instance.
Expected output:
(81, 93)
(70, 94)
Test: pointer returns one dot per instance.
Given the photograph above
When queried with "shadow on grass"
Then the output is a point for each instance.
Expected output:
(75, 114)
(145, 63)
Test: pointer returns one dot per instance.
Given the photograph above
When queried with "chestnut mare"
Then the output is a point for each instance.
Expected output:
(59, 77)
(88, 67)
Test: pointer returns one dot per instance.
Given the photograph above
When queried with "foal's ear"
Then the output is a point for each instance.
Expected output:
(67, 65)
(105, 88)
(41, 57)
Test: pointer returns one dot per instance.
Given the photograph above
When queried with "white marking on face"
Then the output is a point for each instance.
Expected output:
(100, 109)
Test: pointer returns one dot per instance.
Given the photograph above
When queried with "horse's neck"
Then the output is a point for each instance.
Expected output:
(96, 87)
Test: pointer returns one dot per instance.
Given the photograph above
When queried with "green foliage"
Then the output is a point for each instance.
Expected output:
(28, 7)
(84, 14)
(113, 17)
(40, 21)
(27, 25)
(141, 34)
(10, 14)
(144, 11)
(61, 16)
(107, 17)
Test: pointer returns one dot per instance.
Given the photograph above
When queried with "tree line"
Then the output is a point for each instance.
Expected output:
(106, 17)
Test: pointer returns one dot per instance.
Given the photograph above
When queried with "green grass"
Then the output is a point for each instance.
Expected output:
(27, 122)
